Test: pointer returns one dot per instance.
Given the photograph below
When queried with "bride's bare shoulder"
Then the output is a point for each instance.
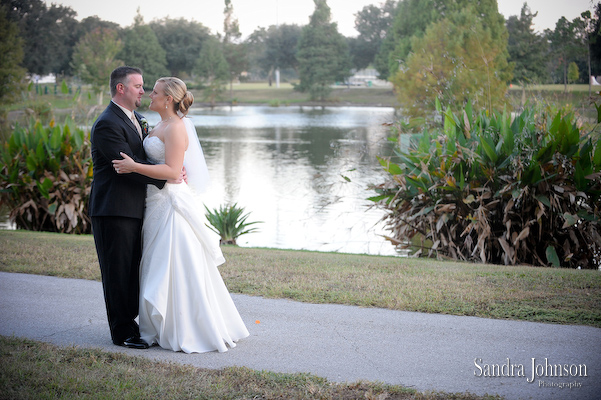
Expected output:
(177, 131)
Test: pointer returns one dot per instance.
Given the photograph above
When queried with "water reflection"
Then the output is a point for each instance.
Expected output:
(288, 167)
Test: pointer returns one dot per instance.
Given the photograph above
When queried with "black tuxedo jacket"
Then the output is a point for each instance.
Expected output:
(113, 194)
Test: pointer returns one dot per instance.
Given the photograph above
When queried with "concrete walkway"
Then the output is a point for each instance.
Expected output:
(341, 343)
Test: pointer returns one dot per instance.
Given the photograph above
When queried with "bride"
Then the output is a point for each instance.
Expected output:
(184, 303)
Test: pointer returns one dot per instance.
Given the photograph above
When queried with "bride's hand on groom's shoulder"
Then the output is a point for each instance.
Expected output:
(124, 166)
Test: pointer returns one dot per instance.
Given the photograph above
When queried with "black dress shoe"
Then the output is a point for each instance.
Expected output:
(135, 342)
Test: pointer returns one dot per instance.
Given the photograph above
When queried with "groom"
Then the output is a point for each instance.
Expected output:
(117, 204)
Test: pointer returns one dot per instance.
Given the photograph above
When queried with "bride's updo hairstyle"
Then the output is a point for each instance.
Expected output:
(176, 88)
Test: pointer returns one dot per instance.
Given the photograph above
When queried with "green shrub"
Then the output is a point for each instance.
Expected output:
(45, 177)
(499, 189)
(229, 222)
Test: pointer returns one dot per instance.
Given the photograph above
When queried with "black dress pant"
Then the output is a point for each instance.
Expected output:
(119, 246)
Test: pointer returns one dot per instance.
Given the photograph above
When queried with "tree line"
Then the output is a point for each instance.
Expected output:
(445, 49)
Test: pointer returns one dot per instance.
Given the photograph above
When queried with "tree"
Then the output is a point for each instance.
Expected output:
(382, 58)
(89, 24)
(282, 44)
(589, 37)
(212, 67)
(182, 41)
(457, 59)
(11, 48)
(60, 44)
(323, 54)
(95, 57)
(141, 48)
(527, 50)
(362, 53)
(564, 45)
(47, 33)
(595, 41)
(256, 47)
(233, 51)
(581, 27)
(573, 73)
(372, 23)
(411, 19)
(274, 48)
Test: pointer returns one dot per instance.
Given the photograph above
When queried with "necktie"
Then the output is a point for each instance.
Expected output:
(136, 124)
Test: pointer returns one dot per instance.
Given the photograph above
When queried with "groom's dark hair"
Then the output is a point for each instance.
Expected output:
(119, 75)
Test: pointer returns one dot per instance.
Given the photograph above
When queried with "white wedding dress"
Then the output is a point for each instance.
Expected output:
(184, 303)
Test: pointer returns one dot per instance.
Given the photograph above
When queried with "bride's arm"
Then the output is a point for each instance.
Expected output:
(175, 145)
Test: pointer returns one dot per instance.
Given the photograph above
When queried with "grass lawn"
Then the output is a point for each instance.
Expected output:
(262, 93)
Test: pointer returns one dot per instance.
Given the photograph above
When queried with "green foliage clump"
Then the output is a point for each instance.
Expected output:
(229, 222)
(573, 73)
(45, 177)
(499, 189)
(458, 57)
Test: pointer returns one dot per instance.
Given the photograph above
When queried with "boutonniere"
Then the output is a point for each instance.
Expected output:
(144, 125)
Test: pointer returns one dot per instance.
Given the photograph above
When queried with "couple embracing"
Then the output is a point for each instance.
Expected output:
(157, 257)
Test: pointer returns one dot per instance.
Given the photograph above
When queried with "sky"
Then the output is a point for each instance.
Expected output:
(252, 14)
